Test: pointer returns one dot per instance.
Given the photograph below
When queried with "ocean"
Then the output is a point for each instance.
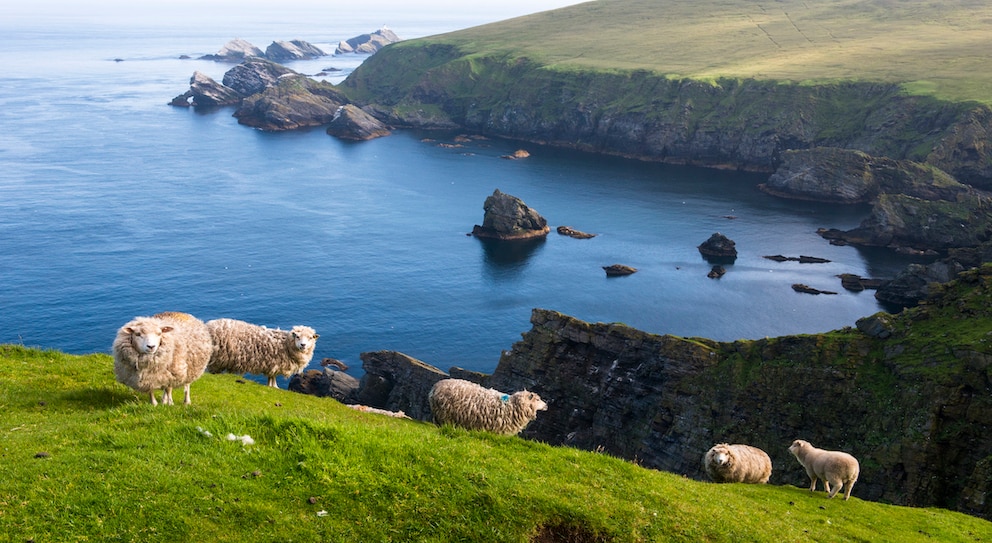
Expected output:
(114, 204)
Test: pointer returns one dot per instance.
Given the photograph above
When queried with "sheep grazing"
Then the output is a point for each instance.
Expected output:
(725, 463)
(835, 468)
(242, 347)
(466, 404)
(163, 351)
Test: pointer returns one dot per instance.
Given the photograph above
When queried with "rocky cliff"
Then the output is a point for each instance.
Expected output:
(910, 395)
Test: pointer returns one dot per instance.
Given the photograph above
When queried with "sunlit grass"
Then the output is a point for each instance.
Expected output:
(85, 459)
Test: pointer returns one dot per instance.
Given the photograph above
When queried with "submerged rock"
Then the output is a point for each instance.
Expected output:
(618, 270)
(572, 233)
(508, 218)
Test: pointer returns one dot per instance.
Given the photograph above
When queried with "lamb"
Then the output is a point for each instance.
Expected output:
(835, 468)
(726, 463)
(466, 404)
(242, 347)
(163, 351)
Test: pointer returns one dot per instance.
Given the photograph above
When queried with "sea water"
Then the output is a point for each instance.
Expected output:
(114, 204)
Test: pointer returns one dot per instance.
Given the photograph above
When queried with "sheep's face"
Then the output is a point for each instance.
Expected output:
(720, 458)
(797, 446)
(147, 337)
(304, 339)
(533, 400)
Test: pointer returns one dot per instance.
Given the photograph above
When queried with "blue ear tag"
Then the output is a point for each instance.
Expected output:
(505, 397)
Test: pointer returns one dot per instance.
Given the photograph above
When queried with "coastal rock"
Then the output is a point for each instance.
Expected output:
(254, 75)
(913, 284)
(396, 382)
(716, 272)
(718, 246)
(352, 123)
(326, 383)
(618, 270)
(572, 233)
(802, 259)
(518, 154)
(281, 51)
(204, 91)
(508, 218)
(879, 325)
(806, 289)
(235, 50)
(295, 101)
(856, 283)
(367, 43)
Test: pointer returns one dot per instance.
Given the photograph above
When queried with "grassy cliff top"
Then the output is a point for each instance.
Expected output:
(83, 458)
(939, 48)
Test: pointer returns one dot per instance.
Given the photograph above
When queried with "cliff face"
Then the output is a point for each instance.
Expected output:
(915, 407)
(742, 124)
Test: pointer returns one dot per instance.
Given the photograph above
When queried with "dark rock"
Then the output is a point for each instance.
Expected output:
(235, 50)
(856, 283)
(716, 272)
(281, 51)
(912, 285)
(352, 123)
(617, 270)
(824, 174)
(368, 43)
(570, 232)
(806, 289)
(878, 325)
(326, 383)
(800, 259)
(718, 246)
(508, 218)
(396, 382)
(254, 75)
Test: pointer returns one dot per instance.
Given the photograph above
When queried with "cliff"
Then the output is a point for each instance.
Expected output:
(910, 394)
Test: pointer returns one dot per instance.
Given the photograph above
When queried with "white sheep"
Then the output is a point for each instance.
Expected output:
(835, 468)
(466, 404)
(726, 463)
(163, 351)
(242, 347)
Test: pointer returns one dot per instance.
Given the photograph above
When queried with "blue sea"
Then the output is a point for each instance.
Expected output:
(114, 204)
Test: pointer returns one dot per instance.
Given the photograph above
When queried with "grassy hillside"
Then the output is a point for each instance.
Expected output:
(85, 459)
(936, 48)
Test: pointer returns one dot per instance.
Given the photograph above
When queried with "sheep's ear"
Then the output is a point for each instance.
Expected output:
(166, 329)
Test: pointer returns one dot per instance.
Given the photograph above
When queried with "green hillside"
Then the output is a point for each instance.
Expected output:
(83, 458)
(939, 48)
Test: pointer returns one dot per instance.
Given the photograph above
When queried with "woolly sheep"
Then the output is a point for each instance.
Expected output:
(726, 463)
(835, 468)
(242, 347)
(466, 404)
(163, 351)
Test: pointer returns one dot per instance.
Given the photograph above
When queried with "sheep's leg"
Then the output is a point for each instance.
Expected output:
(186, 397)
(836, 487)
(272, 382)
(167, 396)
(151, 395)
(847, 492)
(812, 483)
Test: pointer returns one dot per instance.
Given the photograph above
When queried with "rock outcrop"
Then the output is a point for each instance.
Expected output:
(254, 75)
(718, 247)
(295, 101)
(508, 218)
(235, 50)
(351, 123)
(913, 284)
(367, 43)
(282, 51)
(205, 92)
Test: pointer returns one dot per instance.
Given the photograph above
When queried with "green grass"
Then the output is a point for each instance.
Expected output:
(83, 458)
(936, 48)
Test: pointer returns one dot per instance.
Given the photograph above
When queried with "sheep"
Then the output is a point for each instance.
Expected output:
(726, 463)
(466, 404)
(163, 351)
(835, 468)
(242, 347)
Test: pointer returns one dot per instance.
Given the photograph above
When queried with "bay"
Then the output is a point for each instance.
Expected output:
(114, 204)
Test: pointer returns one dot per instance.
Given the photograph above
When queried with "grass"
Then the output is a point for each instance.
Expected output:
(83, 458)
(936, 48)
